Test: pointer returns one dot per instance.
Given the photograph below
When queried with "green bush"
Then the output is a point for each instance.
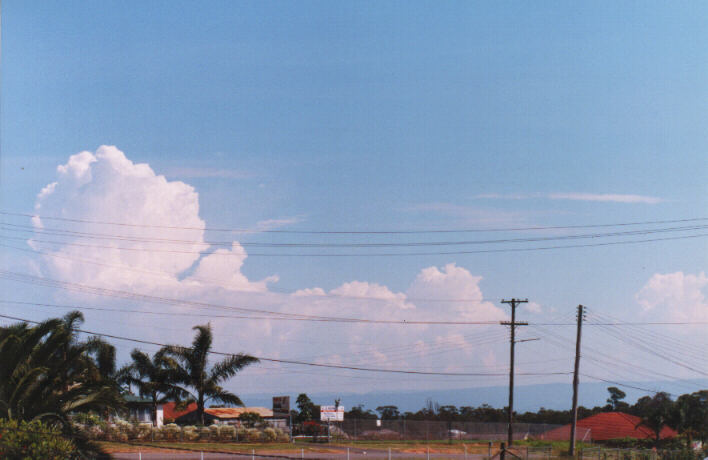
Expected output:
(227, 432)
(171, 432)
(269, 435)
(190, 433)
(253, 435)
(204, 433)
(32, 440)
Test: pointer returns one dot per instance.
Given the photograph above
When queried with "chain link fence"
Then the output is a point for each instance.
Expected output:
(390, 430)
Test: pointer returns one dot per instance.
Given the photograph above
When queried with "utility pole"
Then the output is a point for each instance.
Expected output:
(576, 379)
(512, 324)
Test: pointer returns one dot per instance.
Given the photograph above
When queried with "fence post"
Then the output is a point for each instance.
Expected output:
(389, 453)
(302, 453)
(253, 454)
(347, 453)
(527, 452)
(465, 446)
(428, 452)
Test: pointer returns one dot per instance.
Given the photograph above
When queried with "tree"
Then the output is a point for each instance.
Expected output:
(358, 413)
(616, 395)
(250, 419)
(193, 370)
(154, 378)
(657, 413)
(691, 416)
(306, 407)
(388, 412)
(47, 373)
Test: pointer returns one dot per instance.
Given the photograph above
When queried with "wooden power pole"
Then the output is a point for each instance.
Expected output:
(576, 379)
(512, 325)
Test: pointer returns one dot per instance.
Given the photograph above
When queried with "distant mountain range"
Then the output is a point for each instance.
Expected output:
(526, 397)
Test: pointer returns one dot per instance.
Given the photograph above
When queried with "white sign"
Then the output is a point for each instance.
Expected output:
(331, 414)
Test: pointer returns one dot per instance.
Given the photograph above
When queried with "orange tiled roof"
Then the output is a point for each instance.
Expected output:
(611, 425)
(235, 412)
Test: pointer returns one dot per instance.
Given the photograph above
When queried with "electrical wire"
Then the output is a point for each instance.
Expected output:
(301, 363)
(262, 244)
(370, 254)
(348, 232)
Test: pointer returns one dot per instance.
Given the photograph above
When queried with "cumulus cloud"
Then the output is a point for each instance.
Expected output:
(108, 187)
(532, 307)
(363, 289)
(164, 235)
(453, 289)
(223, 268)
(165, 254)
(675, 296)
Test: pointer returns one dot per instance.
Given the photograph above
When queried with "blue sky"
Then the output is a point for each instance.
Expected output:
(384, 115)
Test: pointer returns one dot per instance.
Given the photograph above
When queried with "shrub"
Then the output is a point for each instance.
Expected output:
(269, 435)
(282, 436)
(171, 432)
(190, 433)
(253, 435)
(227, 432)
(250, 419)
(204, 433)
(141, 431)
(241, 434)
(90, 420)
(26, 440)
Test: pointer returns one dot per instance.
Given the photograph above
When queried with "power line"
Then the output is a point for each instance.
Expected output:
(262, 244)
(317, 296)
(349, 232)
(625, 385)
(366, 254)
(301, 363)
(30, 279)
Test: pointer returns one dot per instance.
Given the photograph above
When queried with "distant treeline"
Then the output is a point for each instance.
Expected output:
(688, 414)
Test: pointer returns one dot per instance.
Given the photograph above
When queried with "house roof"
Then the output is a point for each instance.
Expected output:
(133, 399)
(169, 410)
(235, 412)
(611, 425)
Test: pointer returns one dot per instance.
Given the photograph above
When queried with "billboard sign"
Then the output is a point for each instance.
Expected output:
(331, 414)
(281, 405)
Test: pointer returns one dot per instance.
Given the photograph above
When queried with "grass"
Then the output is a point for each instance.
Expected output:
(410, 446)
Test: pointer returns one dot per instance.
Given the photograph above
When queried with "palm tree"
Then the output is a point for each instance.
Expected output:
(206, 383)
(47, 373)
(154, 378)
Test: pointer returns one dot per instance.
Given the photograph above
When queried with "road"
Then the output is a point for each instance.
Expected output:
(353, 455)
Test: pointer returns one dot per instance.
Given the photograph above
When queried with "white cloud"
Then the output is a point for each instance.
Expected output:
(105, 186)
(675, 296)
(270, 224)
(532, 307)
(223, 268)
(574, 196)
(309, 292)
(372, 290)
(437, 286)
(108, 187)
(606, 197)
